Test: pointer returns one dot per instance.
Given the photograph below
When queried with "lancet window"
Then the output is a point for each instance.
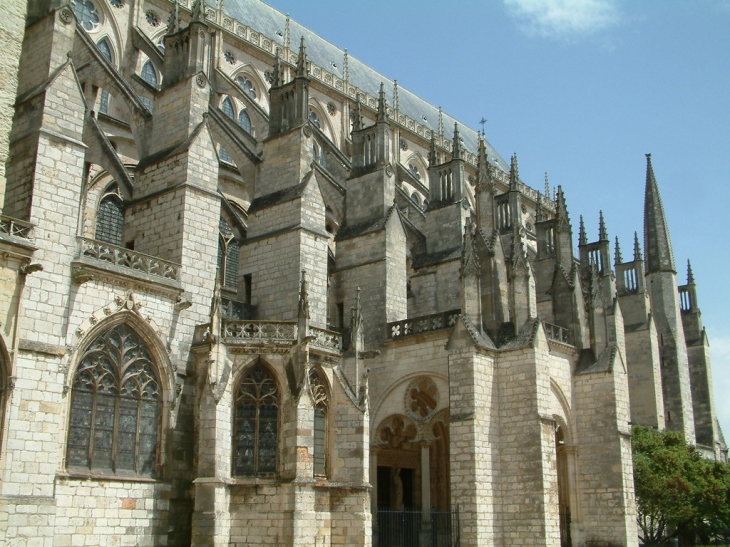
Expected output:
(116, 404)
(318, 385)
(227, 108)
(149, 74)
(228, 255)
(110, 217)
(244, 120)
(256, 424)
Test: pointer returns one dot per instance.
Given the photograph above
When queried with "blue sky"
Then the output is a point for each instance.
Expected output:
(580, 89)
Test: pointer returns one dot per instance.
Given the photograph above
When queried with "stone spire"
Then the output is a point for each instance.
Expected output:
(173, 22)
(658, 247)
(582, 238)
(382, 103)
(276, 78)
(456, 151)
(637, 248)
(514, 172)
(618, 259)
(602, 232)
(432, 151)
(302, 60)
(199, 10)
(357, 115)
(690, 275)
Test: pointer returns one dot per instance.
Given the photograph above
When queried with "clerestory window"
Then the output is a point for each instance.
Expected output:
(110, 217)
(256, 424)
(228, 255)
(116, 404)
(149, 74)
(318, 384)
(244, 120)
(227, 108)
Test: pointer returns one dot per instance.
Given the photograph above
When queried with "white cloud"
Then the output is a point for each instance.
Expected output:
(564, 18)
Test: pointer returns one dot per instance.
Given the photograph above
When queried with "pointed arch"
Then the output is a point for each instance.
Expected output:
(119, 388)
(256, 426)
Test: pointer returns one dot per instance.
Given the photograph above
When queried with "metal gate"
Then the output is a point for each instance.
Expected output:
(408, 528)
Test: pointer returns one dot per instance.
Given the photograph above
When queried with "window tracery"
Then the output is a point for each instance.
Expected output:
(317, 385)
(246, 85)
(86, 14)
(116, 406)
(256, 424)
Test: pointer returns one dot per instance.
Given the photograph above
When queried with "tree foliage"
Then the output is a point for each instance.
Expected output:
(678, 492)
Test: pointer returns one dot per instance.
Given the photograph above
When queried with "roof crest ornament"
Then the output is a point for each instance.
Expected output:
(346, 68)
(441, 122)
(396, 103)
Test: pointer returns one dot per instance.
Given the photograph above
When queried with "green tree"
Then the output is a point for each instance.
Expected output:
(678, 492)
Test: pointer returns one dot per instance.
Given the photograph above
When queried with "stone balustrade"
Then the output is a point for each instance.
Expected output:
(419, 325)
(127, 258)
(279, 331)
(14, 227)
(558, 334)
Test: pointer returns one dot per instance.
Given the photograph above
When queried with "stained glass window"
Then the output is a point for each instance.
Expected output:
(115, 406)
(244, 120)
(227, 108)
(224, 155)
(105, 48)
(247, 86)
(104, 101)
(148, 103)
(317, 384)
(110, 220)
(149, 74)
(256, 424)
(86, 13)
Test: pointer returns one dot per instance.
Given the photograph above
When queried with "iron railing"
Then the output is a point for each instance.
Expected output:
(426, 323)
(408, 528)
(127, 258)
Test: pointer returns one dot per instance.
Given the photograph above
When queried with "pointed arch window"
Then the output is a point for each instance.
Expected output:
(415, 199)
(228, 255)
(105, 48)
(227, 108)
(110, 217)
(116, 404)
(256, 424)
(318, 385)
(244, 120)
(149, 74)
(314, 118)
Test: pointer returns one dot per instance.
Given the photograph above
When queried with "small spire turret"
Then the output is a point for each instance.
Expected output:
(456, 152)
(637, 248)
(382, 103)
(690, 275)
(357, 115)
(276, 78)
(432, 152)
(302, 60)
(199, 11)
(173, 22)
(618, 259)
(514, 172)
(582, 238)
(561, 208)
(602, 232)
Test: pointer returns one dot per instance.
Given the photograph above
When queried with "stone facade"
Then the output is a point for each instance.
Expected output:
(250, 297)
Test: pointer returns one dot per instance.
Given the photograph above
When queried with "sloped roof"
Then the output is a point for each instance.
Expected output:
(271, 22)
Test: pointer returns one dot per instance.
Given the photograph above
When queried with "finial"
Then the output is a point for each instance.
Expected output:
(514, 172)
(441, 122)
(382, 113)
(276, 78)
(547, 186)
(357, 115)
(432, 151)
(602, 233)
(690, 275)
(456, 150)
(582, 239)
(287, 33)
(618, 259)
(199, 10)
(396, 103)
(173, 22)
(482, 122)
(302, 60)
(637, 247)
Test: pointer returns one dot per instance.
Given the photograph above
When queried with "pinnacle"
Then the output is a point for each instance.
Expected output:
(582, 238)
(690, 275)
(637, 248)
(514, 172)
(657, 244)
(602, 232)
(618, 259)
(302, 59)
(457, 143)
(382, 113)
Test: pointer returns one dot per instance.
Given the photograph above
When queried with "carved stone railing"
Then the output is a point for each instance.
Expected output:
(232, 309)
(126, 258)
(419, 325)
(260, 330)
(14, 227)
(558, 334)
(326, 339)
